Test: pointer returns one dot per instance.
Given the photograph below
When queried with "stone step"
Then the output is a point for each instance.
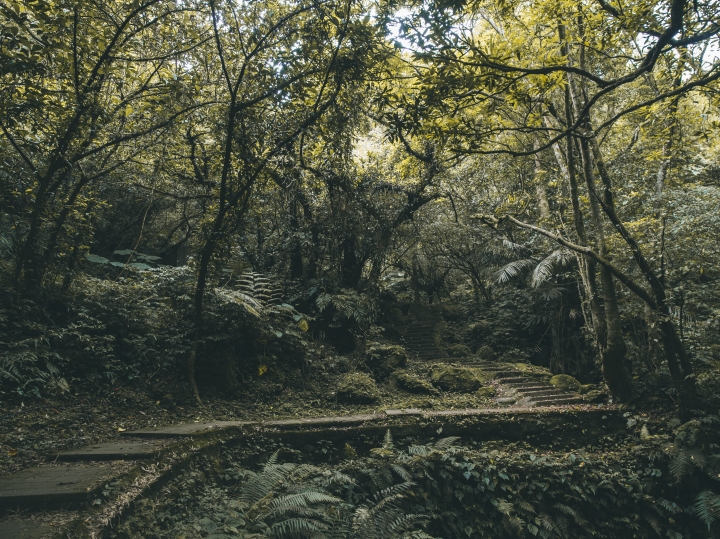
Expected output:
(53, 485)
(509, 375)
(534, 389)
(110, 451)
(26, 529)
(550, 393)
(510, 380)
(528, 385)
(557, 402)
(556, 393)
(183, 429)
(554, 398)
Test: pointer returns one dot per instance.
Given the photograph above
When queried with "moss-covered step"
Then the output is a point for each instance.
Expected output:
(55, 485)
(184, 429)
(25, 529)
(124, 450)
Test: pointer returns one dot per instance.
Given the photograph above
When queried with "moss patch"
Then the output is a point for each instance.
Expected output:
(457, 379)
(486, 392)
(565, 381)
(595, 396)
(486, 353)
(357, 388)
(412, 383)
(457, 350)
(384, 359)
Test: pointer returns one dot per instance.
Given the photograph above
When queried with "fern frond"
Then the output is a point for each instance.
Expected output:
(388, 440)
(550, 265)
(402, 472)
(419, 450)
(297, 527)
(303, 499)
(444, 443)
(514, 269)
(707, 507)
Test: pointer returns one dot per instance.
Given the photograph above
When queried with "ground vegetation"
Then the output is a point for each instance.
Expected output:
(234, 209)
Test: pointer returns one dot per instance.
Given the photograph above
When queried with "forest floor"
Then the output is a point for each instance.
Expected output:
(30, 430)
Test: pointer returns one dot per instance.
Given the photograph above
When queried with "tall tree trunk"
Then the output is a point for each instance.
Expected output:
(613, 353)
(350, 269)
(679, 363)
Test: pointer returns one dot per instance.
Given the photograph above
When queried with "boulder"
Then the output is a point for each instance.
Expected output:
(565, 381)
(412, 383)
(357, 388)
(456, 379)
(486, 392)
(486, 353)
(384, 359)
(457, 350)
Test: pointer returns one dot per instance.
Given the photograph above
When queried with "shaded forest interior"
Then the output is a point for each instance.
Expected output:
(248, 209)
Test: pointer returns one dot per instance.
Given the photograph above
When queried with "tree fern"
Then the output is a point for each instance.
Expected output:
(515, 269)
(550, 265)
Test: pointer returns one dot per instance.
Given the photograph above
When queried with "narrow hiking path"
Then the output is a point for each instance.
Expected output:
(516, 383)
(95, 483)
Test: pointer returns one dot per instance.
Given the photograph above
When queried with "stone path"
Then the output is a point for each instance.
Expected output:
(53, 485)
(127, 450)
(419, 337)
(524, 387)
(25, 529)
(69, 485)
(515, 386)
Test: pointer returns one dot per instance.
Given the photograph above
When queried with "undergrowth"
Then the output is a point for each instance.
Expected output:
(444, 489)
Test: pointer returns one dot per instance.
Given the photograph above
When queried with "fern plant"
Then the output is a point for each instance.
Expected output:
(279, 501)
(293, 500)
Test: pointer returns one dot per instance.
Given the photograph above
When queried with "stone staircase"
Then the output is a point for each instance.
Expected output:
(419, 337)
(522, 387)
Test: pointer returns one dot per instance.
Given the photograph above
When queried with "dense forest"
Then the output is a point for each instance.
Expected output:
(275, 209)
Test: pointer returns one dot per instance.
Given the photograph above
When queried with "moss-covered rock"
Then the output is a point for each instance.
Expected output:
(412, 383)
(384, 359)
(486, 353)
(357, 388)
(565, 381)
(486, 392)
(532, 372)
(595, 396)
(586, 388)
(457, 350)
(456, 379)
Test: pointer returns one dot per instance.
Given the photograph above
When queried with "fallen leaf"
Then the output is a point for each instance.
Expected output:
(120, 429)
(12, 452)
